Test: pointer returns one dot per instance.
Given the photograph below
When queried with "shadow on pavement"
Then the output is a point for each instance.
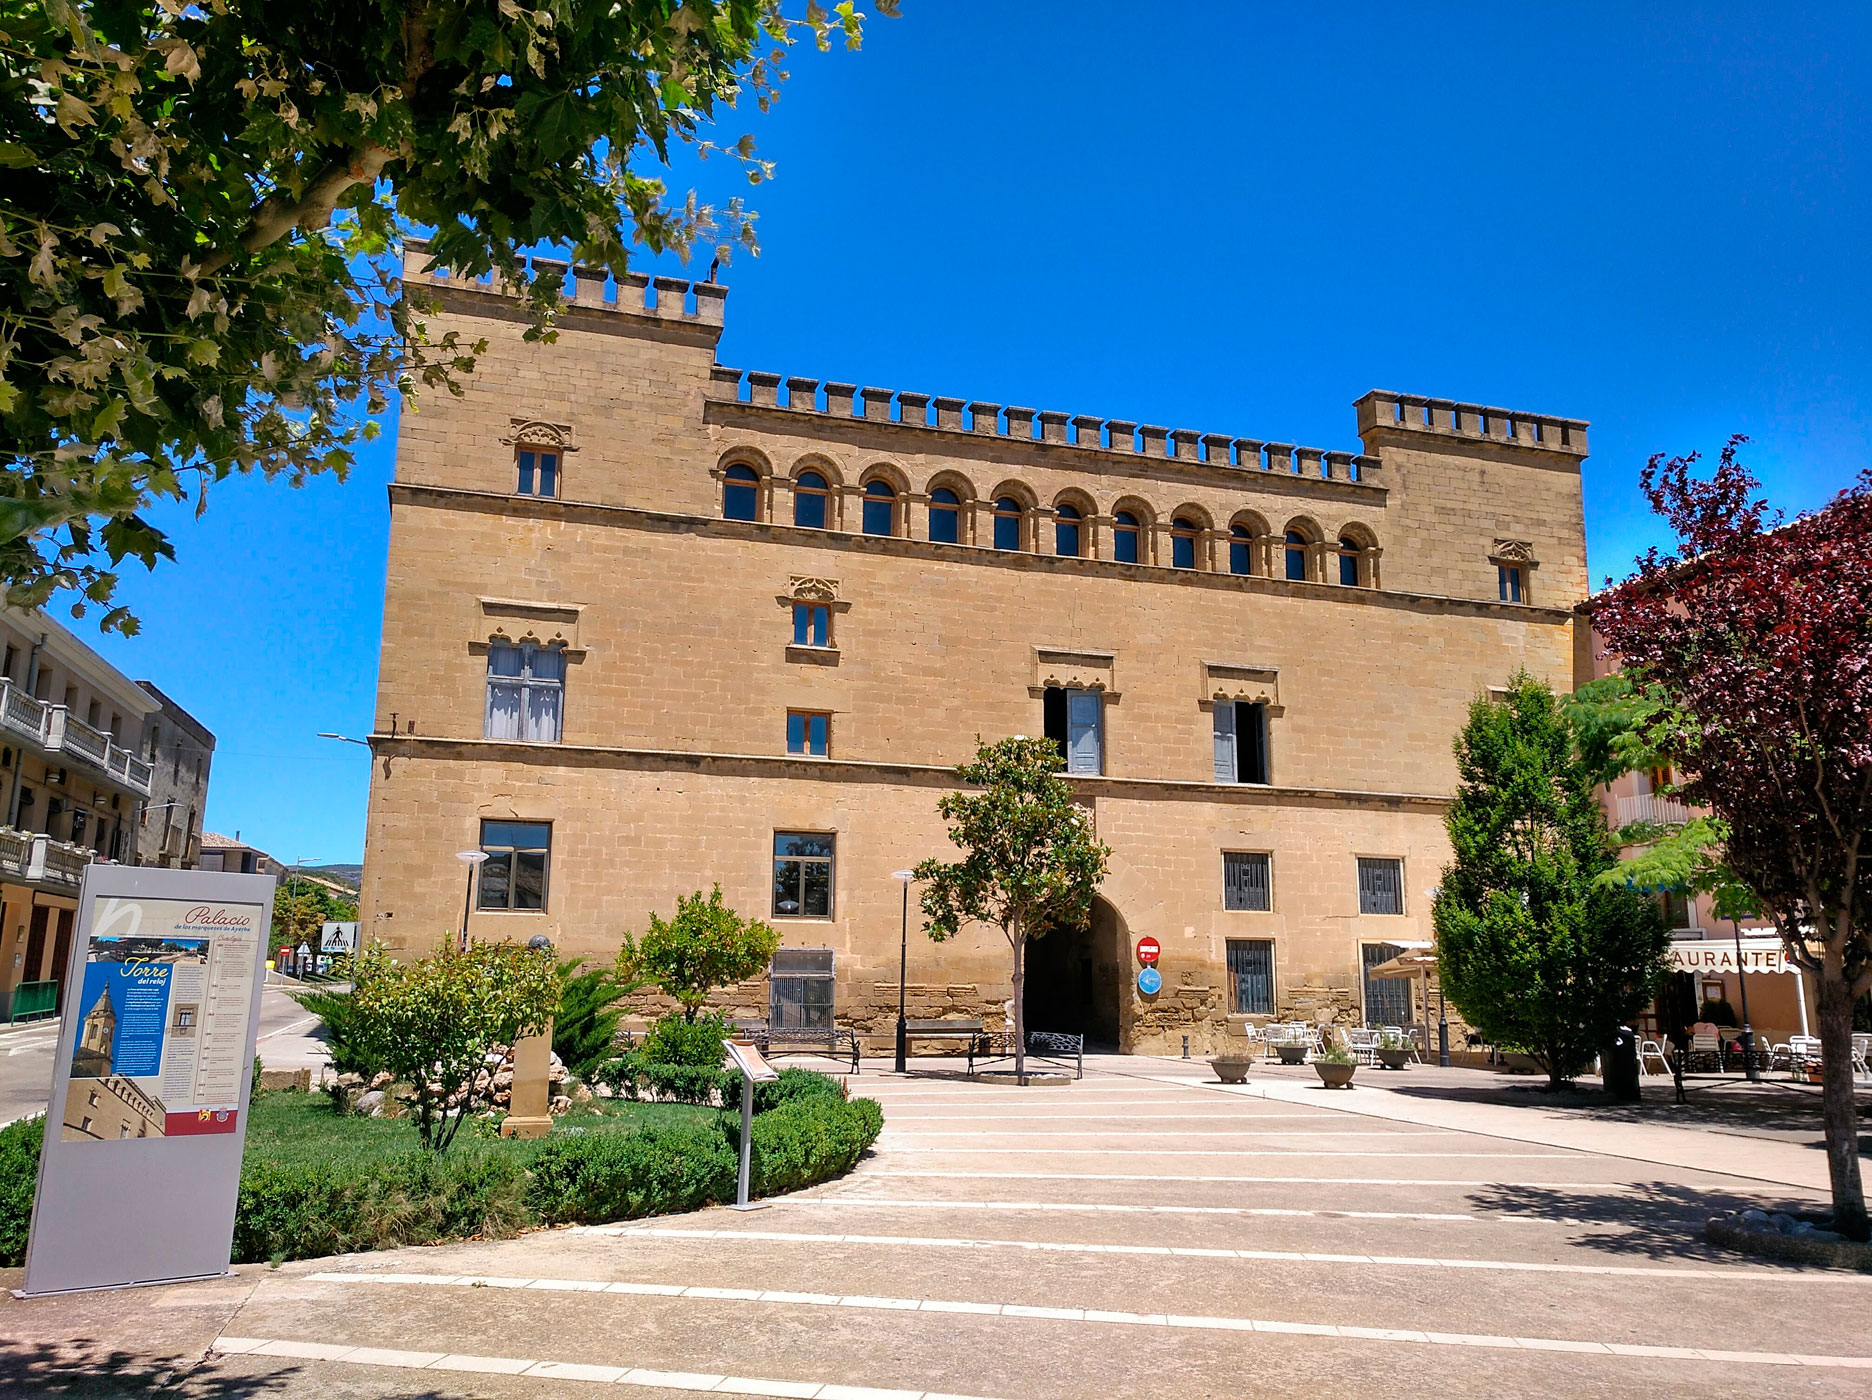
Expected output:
(85, 1367)
(1650, 1219)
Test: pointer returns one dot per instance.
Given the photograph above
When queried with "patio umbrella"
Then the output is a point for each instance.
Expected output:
(1414, 961)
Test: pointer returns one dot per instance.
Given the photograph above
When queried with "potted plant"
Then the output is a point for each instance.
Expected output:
(1335, 1067)
(1293, 1052)
(1394, 1049)
(1231, 1066)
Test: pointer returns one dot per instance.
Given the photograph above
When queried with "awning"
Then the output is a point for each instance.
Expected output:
(1711, 957)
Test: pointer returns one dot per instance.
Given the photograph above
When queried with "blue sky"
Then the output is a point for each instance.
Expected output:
(1236, 222)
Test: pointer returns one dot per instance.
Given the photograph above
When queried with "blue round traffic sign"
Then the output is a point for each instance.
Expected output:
(1150, 981)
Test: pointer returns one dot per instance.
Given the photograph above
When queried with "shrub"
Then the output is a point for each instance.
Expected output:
(678, 1040)
(792, 1084)
(303, 1210)
(707, 945)
(1718, 1012)
(338, 1011)
(595, 1177)
(19, 1176)
(805, 1140)
(585, 1025)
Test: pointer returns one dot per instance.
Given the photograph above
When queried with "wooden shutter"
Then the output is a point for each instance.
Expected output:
(1225, 771)
(1084, 741)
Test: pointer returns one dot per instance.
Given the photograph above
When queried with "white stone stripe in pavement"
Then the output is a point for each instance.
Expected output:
(891, 1147)
(982, 1130)
(1743, 1275)
(1220, 1113)
(567, 1371)
(877, 1172)
(1095, 1315)
(853, 1200)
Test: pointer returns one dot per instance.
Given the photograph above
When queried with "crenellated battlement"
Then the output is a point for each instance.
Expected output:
(1381, 413)
(836, 399)
(593, 288)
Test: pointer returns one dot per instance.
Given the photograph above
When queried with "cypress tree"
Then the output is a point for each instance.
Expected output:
(1533, 953)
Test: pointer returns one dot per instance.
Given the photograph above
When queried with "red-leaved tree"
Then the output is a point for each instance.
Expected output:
(1758, 633)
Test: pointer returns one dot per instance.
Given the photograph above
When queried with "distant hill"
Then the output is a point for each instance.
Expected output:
(350, 876)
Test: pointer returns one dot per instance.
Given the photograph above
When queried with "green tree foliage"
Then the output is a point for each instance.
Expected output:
(337, 1016)
(1535, 951)
(585, 1024)
(434, 1022)
(1030, 862)
(301, 909)
(707, 945)
(200, 204)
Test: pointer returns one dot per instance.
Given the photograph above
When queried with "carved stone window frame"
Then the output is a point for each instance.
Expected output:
(1075, 668)
(1231, 682)
(1516, 554)
(515, 620)
(821, 592)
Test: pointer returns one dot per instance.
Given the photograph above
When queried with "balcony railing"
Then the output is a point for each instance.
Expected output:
(58, 732)
(1649, 807)
(35, 858)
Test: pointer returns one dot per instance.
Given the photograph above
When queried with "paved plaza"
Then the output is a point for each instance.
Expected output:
(1138, 1233)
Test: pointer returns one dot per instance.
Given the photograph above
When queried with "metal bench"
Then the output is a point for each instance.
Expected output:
(772, 1041)
(1055, 1047)
(967, 1033)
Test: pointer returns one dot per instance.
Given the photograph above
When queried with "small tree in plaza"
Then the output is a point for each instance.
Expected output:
(1757, 634)
(1535, 951)
(1030, 861)
(433, 1022)
(707, 945)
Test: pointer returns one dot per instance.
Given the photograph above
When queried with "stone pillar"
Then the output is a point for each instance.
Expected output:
(529, 1110)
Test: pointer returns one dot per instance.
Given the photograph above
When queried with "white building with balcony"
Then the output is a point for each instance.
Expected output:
(73, 784)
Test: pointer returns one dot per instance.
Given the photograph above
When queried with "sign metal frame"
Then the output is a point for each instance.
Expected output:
(133, 1211)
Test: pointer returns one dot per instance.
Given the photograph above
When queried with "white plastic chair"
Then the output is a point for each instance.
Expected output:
(1362, 1042)
(1649, 1050)
(1861, 1047)
(1803, 1050)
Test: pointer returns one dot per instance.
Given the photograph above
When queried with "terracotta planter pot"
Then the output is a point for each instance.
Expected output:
(1231, 1069)
(1394, 1059)
(1334, 1076)
(1292, 1054)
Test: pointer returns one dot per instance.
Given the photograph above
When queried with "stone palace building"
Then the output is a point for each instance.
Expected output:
(652, 623)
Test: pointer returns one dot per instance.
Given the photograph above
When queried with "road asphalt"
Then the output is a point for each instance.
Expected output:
(1139, 1233)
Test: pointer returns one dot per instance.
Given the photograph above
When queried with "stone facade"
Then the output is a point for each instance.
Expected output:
(676, 625)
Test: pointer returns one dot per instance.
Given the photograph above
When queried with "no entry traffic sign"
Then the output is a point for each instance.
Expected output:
(1148, 951)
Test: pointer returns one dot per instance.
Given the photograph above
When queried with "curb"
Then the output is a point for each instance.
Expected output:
(1728, 1233)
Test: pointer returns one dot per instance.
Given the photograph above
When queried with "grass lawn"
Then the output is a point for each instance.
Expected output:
(292, 1128)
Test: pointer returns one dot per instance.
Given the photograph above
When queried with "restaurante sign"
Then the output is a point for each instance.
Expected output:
(1715, 956)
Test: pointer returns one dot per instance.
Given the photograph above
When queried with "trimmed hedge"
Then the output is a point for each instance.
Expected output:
(19, 1178)
(620, 1176)
(806, 1140)
(805, 1130)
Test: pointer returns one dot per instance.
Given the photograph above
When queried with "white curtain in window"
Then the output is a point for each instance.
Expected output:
(503, 694)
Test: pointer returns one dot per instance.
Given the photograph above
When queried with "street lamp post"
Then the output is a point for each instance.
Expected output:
(1442, 1007)
(1748, 1032)
(471, 859)
(903, 877)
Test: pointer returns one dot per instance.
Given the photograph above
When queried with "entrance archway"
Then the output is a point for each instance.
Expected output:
(1075, 978)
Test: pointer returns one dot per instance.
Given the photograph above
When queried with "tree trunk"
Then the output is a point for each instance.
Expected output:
(1837, 1109)
(1020, 1009)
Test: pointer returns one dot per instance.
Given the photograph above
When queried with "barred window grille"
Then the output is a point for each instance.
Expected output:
(1246, 880)
(1251, 976)
(1387, 999)
(1380, 885)
(800, 989)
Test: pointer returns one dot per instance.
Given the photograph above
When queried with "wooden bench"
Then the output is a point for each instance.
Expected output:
(967, 1033)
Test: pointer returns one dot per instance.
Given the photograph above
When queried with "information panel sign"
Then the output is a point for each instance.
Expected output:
(141, 1163)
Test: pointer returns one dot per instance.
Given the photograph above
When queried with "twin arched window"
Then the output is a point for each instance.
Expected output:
(880, 508)
(811, 497)
(1296, 555)
(1007, 523)
(1125, 533)
(1183, 534)
(740, 493)
(1066, 531)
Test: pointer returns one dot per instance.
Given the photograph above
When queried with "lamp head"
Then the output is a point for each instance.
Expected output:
(906, 876)
(471, 857)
